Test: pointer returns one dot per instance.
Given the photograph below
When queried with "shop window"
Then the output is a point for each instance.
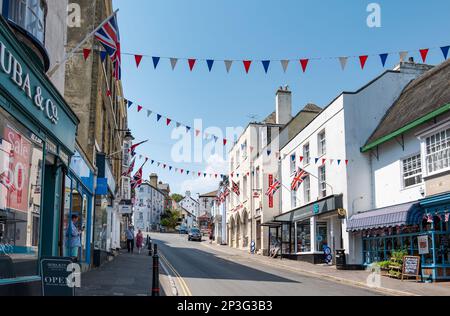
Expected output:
(21, 160)
(412, 171)
(438, 151)
(304, 237)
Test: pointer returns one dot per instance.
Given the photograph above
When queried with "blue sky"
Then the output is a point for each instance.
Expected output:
(256, 29)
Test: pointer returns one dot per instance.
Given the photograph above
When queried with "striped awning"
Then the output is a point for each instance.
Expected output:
(391, 216)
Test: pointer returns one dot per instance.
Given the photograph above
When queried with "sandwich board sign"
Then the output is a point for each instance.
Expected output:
(60, 276)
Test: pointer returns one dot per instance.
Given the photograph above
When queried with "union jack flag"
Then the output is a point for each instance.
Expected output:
(132, 149)
(447, 215)
(273, 188)
(226, 193)
(137, 179)
(299, 177)
(236, 189)
(130, 169)
(108, 35)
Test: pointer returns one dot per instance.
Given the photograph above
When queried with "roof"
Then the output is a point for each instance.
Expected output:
(150, 185)
(210, 194)
(271, 119)
(423, 99)
(390, 216)
(188, 197)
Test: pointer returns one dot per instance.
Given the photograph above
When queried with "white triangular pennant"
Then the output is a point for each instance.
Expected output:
(173, 62)
(228, 64)
(343, 61)
(403, 56)
(178, 124)
(149, 113)
(285, 64)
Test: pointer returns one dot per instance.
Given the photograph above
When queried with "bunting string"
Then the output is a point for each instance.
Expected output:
(247, 64)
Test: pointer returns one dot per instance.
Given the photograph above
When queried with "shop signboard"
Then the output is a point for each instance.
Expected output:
(125, 207)
(60, 276)
(411, 267)
(423, 245)
(18, 170)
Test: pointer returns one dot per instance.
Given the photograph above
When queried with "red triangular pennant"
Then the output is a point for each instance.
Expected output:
(346, 162)
(86, 53)
(191, 63)
(323, 161)
(139, 108)
(362, 60)
(247, 64)
(424, 54)
(108, 93)
(301, 158)
(224, 142)
(304, 63)
(168, 121)
(138, 59)
(197, 132)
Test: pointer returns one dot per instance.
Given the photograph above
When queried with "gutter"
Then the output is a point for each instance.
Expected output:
(406, 128)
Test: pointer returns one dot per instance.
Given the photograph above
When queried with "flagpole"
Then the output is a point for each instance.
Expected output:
(72, 52)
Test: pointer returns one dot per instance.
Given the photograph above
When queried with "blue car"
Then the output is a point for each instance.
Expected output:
(183, 230)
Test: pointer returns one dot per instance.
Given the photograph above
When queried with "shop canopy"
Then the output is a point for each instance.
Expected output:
(391, 216)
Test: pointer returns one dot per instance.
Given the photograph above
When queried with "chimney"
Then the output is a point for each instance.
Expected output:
(412, 68)
(154, 180)
(188, 194)
(283, 105)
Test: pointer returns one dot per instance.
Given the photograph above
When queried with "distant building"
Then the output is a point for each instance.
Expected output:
(190, 204)
(149, 207)
(206, 202)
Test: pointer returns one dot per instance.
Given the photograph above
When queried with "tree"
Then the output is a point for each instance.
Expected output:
(171, 219)
(177, 197)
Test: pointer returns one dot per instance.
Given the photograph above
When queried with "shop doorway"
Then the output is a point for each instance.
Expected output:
(258, 235)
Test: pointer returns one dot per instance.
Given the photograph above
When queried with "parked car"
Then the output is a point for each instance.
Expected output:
(183, 230)
(195, 234)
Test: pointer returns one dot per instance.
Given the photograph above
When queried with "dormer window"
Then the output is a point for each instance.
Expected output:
(437, 152)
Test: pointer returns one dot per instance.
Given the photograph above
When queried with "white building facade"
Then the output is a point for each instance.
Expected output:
(339, 182)
(190, 204)
(149, 206)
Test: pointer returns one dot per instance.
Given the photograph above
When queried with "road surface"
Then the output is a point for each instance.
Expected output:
(200, 270)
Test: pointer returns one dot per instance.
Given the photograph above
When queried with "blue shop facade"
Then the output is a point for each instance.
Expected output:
(37, 144)
(421, 228)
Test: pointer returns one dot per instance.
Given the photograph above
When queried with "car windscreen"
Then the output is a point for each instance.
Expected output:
(193, 231)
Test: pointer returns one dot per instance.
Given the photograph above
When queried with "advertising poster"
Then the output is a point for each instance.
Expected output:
(423, 245)
(18, 169)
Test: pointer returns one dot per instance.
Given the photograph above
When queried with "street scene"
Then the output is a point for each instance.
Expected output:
(251, 148)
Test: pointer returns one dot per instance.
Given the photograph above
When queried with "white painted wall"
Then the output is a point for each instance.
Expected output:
(152, 207)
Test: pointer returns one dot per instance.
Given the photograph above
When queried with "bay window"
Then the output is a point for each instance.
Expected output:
(437, 151)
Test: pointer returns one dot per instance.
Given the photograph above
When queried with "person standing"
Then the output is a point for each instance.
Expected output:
(130, 238)
(73, 236)
(139, 241)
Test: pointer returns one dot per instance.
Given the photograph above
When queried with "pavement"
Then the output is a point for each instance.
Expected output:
(200, 269)
(126, 275)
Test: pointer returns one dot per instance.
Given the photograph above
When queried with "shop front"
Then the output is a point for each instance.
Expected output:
(37, 140)
(304, 233)
(418, 228)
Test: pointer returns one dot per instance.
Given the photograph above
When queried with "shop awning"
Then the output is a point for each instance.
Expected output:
(391, 216)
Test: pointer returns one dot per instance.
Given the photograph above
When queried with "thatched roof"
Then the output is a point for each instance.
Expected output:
(422, 96)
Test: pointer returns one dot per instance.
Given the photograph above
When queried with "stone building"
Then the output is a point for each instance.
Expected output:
(97, 98)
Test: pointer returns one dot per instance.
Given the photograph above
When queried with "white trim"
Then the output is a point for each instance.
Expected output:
(428, 131)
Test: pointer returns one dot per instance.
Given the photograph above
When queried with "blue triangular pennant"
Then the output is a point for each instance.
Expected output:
(204, 175)
(216, 138)
(153, 162)
(158, 117)
(445, 51)
(317, 159)
(170, 168)
(188, 129)
(269, 152)
(103, 55)
(130, 104)
(339, 162)
(383, 58)
(187, 172)
(210, 63)
(155, 61)
(266, 64)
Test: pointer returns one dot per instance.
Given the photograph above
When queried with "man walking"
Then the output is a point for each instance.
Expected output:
(130, 238)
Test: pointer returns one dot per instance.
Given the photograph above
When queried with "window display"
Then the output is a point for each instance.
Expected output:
(304, 236)
(21, 158)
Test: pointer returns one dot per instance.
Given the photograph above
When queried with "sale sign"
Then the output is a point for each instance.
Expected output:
(18, 171)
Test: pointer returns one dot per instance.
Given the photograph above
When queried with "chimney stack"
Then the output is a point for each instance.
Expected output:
(154, 180)
(283, 102)
(188, 194)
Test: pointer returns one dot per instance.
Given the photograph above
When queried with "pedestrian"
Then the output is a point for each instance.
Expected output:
(130, 238)
(73, 237)
(211, 237)
(139, 241)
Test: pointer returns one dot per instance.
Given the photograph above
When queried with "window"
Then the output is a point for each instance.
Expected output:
(21, 162)
(306, 155)
(293, 199)
(29, 15)
(412, 171)
(293, 163)
(257, 179)
(245, 188)
(307, 189)
(322, 182)
(322, 143)
(438, 151)
(304, 236)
